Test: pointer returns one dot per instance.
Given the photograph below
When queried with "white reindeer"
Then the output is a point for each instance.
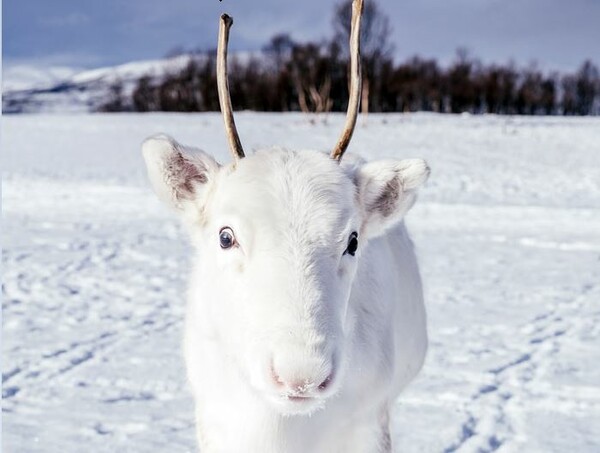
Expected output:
(305, 310)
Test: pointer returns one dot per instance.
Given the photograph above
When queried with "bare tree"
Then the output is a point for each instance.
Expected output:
(569, 94)
(144, 96)
(116, 100)
(310, 69)
(375, 45)
(587, 80)
(279, 50)
(462, 83)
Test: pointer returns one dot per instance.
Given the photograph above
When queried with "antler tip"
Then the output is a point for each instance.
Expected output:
(227, 19)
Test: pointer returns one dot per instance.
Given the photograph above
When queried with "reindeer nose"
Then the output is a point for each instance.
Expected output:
(300, 380)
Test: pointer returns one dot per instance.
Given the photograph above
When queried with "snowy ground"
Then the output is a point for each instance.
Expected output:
(508, 232)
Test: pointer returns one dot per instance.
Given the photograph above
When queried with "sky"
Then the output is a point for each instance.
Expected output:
(555, 34)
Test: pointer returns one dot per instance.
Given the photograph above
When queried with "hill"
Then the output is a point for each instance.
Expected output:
(29, 89)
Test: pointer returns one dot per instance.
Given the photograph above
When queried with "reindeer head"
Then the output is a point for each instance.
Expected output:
(279, 235)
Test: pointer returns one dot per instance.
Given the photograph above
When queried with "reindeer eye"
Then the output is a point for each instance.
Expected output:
(352, 244)
(226, 238)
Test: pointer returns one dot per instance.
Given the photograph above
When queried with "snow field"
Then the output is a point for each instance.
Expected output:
(507, 231)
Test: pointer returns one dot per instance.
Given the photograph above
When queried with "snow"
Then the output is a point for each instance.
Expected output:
(507, 231)
(33, 89)
(16, 77)
(133, 70)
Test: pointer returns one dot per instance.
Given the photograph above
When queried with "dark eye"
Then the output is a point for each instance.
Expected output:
(352, 244)
(226, 238)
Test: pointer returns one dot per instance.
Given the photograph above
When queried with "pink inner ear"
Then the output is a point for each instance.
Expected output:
(386, 202)
(185, 174)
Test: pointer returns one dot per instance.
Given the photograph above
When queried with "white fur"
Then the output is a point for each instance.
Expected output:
(283, 311)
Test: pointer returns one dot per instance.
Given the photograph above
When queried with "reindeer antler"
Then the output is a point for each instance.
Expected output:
(355, 82)
(223, 86)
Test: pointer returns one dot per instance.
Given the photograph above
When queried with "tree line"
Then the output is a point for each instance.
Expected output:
(313, 77)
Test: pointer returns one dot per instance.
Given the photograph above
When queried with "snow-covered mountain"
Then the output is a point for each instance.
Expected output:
(30, 89)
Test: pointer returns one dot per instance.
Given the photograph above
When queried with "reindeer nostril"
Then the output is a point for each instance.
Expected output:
(323, 385)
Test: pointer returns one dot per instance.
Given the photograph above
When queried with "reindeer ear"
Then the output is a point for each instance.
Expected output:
(178, 174)
(387, 190)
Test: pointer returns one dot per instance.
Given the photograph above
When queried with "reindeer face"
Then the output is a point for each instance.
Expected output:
(282, 230)
(279, 237)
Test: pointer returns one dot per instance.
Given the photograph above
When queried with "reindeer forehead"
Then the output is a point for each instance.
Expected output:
(303, 191)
